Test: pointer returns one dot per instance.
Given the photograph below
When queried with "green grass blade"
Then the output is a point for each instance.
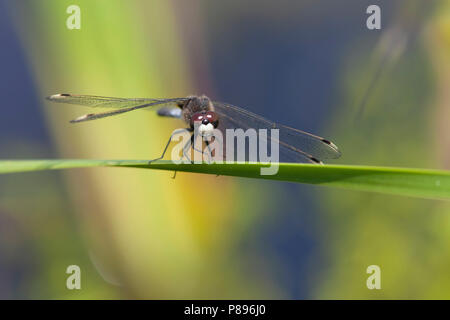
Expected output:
(423, 183)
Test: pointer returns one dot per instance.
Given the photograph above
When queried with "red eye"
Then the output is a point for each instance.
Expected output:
(197, 117)
(205, 118)
(212, 118)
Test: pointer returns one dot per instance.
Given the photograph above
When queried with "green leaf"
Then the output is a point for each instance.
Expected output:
(423, 183)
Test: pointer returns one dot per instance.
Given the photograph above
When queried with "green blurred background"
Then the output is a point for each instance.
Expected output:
(382, 96)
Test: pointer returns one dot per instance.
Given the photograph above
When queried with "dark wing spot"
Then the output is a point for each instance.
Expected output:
(326, 141)
(65, 95)
(315, 160)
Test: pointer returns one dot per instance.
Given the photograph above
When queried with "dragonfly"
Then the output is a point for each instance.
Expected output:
(294, 145)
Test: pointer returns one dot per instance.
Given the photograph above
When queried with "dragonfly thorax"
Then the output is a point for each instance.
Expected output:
(195, 107)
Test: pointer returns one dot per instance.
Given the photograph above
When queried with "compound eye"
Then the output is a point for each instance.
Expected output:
(212, 118)
(197, 117)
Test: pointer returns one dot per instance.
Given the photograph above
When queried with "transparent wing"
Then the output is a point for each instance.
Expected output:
(99, 101)
(295, 145)
(121, 104)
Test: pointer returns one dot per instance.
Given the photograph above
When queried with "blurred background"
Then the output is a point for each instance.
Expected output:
(381, 95)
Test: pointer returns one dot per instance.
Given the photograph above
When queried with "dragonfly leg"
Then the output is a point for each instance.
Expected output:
(209, 151)
(185, 148)
(201, 151)
(210, 154)
(167, 145)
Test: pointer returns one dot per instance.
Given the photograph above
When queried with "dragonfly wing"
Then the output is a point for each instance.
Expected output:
(295, 145)
(121, 104)
(99, 101)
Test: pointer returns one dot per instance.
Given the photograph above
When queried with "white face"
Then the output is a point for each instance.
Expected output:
(206, 130)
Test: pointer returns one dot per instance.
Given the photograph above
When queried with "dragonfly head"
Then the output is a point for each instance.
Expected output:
(205, 122)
